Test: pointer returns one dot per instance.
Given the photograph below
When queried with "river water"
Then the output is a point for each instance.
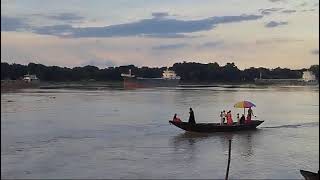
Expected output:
(115, 133)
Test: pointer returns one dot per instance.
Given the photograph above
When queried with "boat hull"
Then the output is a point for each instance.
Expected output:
(215, 127)
(309, 175)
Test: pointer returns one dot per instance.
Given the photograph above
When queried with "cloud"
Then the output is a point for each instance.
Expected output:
(306, 10)
(273, 24)
(154, 27)
(167, 35)
(68, 17)
(61, 30)
(23, 23)
(170, 46)
(289, 11)
(268, 11)
(303, 4)
(212, 44)
(13, 23)
(277, 0)
(277, 40)
(315, 52)
(160, 14)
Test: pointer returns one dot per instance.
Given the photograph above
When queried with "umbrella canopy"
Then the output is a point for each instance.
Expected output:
(244, 104)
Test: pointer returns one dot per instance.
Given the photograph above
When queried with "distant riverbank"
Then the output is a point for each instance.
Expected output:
(13, 85)
(16, 85)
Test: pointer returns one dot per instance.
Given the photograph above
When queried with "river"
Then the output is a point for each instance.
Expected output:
(116, 133)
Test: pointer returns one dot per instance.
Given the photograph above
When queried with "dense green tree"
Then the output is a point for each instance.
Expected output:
(315, 70)
(188, 71)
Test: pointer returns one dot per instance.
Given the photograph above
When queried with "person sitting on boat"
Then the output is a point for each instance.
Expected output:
(191, 117)
(222, 117)
(176, 119)
(229, 118)
(238, 118)
(242, 119)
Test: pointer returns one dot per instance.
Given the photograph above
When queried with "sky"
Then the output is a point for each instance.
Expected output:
(157, 33)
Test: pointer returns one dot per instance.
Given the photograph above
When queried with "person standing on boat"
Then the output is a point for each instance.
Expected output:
(238, 118)
(191, 117)
(249, 116)
(221, 117)
(224, 116)
(229, 118)
(250, 112)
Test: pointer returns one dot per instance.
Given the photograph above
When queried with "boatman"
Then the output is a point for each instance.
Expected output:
(191, 117)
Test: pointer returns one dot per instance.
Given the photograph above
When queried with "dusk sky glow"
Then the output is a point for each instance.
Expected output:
(267, 33)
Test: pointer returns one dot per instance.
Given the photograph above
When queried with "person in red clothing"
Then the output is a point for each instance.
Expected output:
(248, 120)
(229, 118)
(176, 119)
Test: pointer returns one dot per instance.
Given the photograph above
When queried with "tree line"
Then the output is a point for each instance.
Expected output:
(188, 71)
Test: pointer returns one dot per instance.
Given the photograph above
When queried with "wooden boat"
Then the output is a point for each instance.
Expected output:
(309, 175)
(215, 127)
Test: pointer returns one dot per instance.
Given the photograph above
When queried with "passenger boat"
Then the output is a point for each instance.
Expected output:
(215, 127)
(169, 79)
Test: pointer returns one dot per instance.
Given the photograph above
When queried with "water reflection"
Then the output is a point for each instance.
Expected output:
(185, 143)
(246, 145)
(242, 142)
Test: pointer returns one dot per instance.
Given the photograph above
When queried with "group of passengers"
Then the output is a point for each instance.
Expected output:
(223, 115)
(228, 116)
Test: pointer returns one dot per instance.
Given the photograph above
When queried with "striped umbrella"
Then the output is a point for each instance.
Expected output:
(244, 104)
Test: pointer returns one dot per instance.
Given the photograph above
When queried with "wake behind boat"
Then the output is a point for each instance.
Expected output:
(215, 127)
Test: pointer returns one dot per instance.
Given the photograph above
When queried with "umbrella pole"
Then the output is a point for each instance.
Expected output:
(244, 111)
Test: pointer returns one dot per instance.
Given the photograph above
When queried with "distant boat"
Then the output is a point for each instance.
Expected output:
(309, 175)
(169, 79)
(31, 78)
(308, 78)
(215, 127)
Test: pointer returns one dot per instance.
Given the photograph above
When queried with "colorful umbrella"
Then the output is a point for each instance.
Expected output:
(244, 104)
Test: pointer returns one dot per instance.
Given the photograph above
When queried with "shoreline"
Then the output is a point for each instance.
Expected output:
(16, 85)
